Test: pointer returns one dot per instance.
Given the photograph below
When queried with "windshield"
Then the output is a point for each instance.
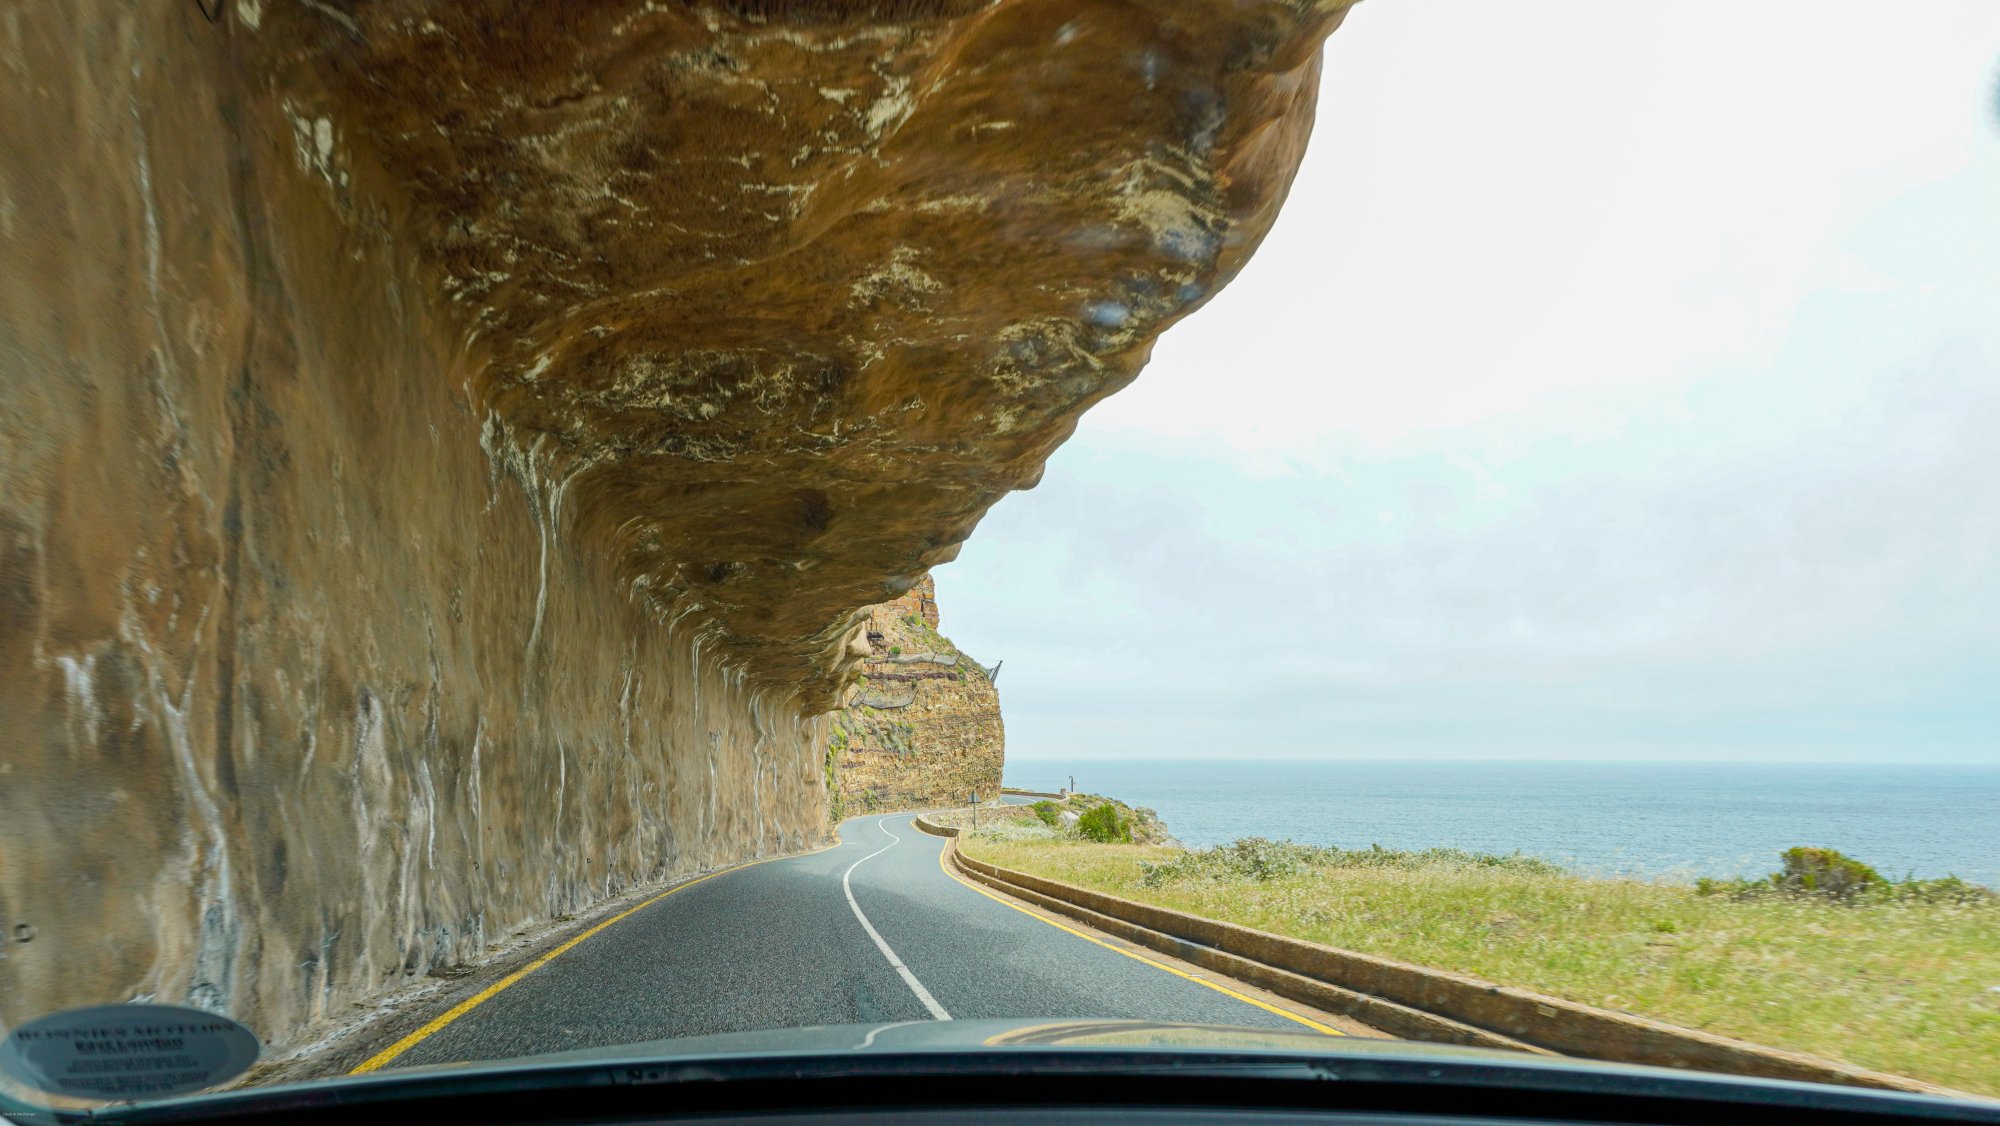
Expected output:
(593, 528)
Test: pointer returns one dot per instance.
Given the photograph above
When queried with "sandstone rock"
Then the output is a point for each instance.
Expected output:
(444, 446)
(925, 731)
(778, 298)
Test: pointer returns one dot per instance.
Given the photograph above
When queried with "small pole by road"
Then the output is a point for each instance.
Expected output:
(975, 811)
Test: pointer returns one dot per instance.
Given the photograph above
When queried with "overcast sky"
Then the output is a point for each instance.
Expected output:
(1621, 380)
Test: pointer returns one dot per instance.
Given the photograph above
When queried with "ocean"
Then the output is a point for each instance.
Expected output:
(1649, 819)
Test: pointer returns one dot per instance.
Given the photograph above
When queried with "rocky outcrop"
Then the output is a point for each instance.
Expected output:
(444, 446)
(922, 727)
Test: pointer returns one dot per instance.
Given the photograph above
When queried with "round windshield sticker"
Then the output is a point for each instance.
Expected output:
(127, 1052)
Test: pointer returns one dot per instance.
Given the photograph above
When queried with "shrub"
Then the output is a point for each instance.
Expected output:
(1105, 825)
(1822, 871)
(1731, 886)
(1949, 889)
(1049, 812)
(1259, 859)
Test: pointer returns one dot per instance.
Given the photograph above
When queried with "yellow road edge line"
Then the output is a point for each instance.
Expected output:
(1222, 989)
(388, 1055)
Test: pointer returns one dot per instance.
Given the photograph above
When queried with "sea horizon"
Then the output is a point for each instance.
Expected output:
(1650, 818)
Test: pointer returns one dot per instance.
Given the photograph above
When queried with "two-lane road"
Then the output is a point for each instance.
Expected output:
(873, 929)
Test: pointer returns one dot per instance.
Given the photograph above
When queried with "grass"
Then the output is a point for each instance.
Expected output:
(1911, 988)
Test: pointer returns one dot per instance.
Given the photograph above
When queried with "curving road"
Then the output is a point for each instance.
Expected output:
(871, 930)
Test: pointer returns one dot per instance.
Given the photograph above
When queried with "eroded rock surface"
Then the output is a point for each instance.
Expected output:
(790, 293)
(445, 446)
(922, 727)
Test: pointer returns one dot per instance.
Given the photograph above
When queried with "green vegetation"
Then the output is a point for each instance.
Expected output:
(1260, 860)
(1822, 871)
(1048, 812)
(834, 804)
(1900, 976)
(1105, 825)
(1828, 875)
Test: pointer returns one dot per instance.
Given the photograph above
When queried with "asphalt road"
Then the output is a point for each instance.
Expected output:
(784, 944)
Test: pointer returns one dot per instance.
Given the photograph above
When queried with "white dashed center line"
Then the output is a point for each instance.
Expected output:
(882, 944)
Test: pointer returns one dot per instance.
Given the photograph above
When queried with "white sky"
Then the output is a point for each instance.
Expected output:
(1620, 381)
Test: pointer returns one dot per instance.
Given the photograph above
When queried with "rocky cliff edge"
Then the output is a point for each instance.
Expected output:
(445, 446)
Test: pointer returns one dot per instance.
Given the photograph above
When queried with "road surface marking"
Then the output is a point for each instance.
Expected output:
(882, 944)
(388, 1055)
(880, 1029)
(1222, 989)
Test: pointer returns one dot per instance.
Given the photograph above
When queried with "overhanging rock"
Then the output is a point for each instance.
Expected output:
(445, 447)
(775, 299)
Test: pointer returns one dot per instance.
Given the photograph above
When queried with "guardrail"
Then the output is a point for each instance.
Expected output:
(1032, 793)
(1414, 1002)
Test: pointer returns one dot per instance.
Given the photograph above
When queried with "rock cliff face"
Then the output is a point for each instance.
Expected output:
(444, 446)
(922, 727)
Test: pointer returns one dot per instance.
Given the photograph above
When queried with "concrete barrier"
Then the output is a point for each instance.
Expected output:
(1413, 1001)
(1033, 794)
